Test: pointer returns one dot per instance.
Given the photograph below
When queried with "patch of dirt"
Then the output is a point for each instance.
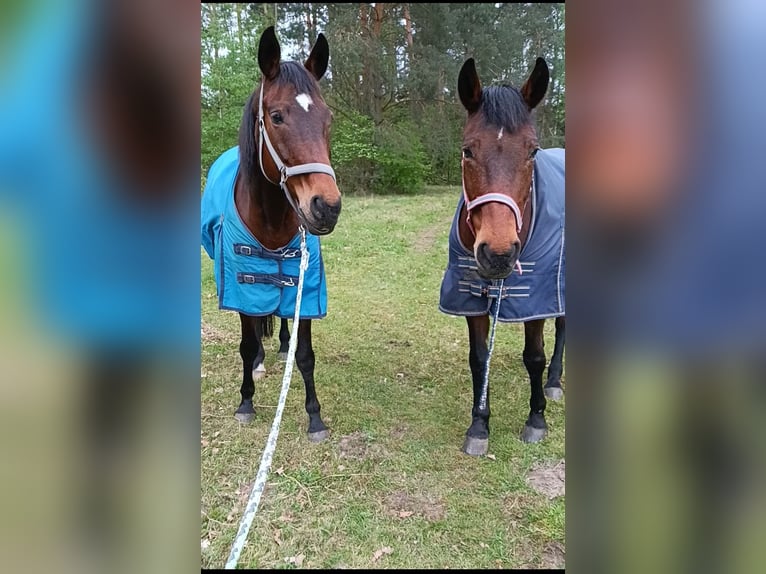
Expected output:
(395, 343)
(548, 479)
(353, 446)
(212, 334)
(341, 358)
(402, 505)
(399, 431)
(554, 556)
(427, 239)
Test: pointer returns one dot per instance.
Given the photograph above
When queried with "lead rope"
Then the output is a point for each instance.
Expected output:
(271, 442)
(485, 385)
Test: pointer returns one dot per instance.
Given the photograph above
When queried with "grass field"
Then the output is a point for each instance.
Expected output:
(390, 488)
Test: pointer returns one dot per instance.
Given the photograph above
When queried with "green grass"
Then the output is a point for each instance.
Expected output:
(394, 383)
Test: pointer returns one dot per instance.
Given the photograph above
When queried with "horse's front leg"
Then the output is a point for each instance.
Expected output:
(477, 437)
(284, 340)
(535, 428)
(552, 387)
(304, 358)
(252, 354)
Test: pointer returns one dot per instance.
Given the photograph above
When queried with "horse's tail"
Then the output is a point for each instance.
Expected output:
(264, 326)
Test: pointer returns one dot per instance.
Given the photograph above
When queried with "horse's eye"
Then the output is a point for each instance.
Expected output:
(276, 118)
(467, 153)
(533, 153)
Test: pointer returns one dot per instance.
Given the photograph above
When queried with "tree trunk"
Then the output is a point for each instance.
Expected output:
(409, 51)
(376, 103)
(365, 98)
(239, 30)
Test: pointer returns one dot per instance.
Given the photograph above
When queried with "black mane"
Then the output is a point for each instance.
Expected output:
(504, 107)
(290, 73)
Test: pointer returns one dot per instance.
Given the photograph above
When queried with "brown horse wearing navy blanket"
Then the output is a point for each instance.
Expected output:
(499, 149)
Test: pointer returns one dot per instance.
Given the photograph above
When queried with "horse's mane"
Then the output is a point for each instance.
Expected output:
(503, 106)
(290, 73)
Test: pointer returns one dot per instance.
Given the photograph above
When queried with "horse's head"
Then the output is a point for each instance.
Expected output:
(499, 145)
(291, 125)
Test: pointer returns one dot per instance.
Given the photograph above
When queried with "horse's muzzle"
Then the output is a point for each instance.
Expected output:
(493, 265)
(322, 216)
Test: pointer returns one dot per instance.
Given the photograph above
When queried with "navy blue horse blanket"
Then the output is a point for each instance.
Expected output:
(250, 278)
(537, 293)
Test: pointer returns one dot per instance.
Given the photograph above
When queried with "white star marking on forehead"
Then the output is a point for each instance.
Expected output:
(304, 100)
(500, 133)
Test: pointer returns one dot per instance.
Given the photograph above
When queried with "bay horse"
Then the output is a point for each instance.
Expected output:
(510, 217)
(258, 196)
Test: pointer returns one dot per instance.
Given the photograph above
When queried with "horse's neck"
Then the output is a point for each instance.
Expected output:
(265, 211)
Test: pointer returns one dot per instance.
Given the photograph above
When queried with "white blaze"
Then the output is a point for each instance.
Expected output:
(500, 133)
(304, 100)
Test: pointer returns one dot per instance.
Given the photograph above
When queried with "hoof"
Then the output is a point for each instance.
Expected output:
(532, 434)
(259, 372)
(244, 417)
(554, 393)
(476, 446)
(246, 412)
(319, 436)
(282, 355)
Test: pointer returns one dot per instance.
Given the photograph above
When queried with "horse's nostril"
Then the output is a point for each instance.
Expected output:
(318, 204)
(322, 209)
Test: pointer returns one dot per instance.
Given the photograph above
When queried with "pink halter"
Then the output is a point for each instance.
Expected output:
(491, 198)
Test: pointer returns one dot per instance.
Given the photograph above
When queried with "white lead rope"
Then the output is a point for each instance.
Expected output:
(271, 442)
(483, 399)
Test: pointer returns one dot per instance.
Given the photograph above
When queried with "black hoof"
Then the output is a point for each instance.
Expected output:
(532, 434)
(476, 446)
(282, 355)
(319, 436)
(245, 413)
(244, 417)
(554, 393)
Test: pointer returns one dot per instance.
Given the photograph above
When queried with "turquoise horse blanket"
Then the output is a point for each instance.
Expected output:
(250, 278)
(537, 293)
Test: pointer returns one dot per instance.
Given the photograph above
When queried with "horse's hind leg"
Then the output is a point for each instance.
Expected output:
(252, 353)
(552, 387)
(535, 428)
(284, 340)
(477, 437)
(304, 358)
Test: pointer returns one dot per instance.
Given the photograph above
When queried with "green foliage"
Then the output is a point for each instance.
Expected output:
(392, 80)
(353, 151)
(402, 160)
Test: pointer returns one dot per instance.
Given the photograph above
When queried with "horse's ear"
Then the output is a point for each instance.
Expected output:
(269, 54)
(320, 55)
(536, 85)
(469, 86)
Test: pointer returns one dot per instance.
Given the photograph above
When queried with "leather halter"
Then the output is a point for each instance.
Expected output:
(493, 198)
(284, 171)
